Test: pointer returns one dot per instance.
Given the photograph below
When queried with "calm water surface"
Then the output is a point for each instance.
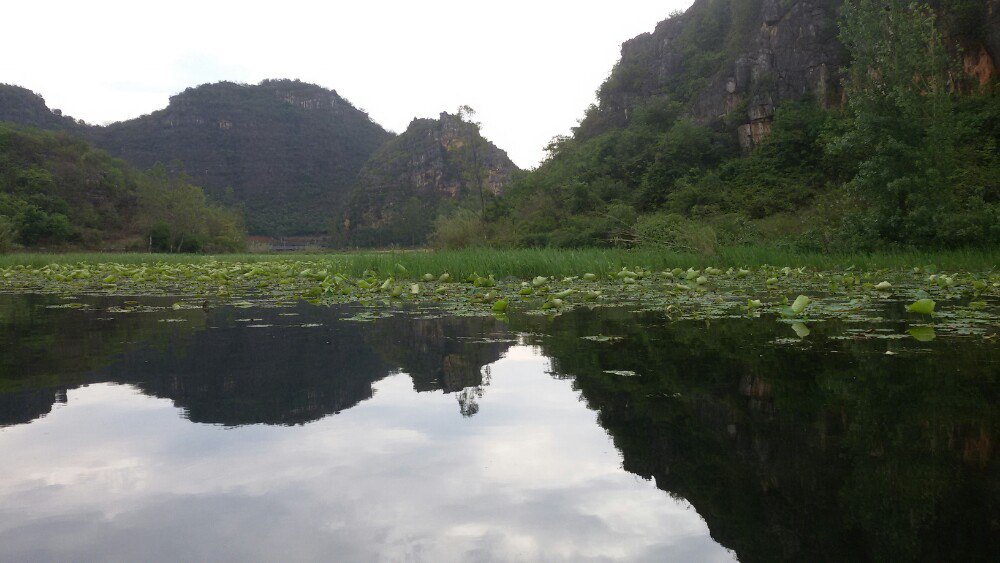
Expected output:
(294, 434)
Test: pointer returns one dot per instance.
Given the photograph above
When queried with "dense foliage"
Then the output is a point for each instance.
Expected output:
(58, 191)
(911, 159)
(923, 159)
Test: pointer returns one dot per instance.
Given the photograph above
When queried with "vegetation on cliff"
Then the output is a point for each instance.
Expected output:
(904, 161)
(24, 107)
(436, 166)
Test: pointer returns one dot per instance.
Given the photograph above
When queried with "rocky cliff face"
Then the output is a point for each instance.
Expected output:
(975, 28)
(433, 161)
(446, 157)
(734, 61)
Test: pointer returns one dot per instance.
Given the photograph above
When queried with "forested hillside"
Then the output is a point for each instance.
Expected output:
(23, 107)
(287, 151)
(819, 124)
(284, 151)
(810, 123)
(299, 159)
(58, 191)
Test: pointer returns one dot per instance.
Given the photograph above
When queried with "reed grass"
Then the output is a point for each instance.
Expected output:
(525, 263)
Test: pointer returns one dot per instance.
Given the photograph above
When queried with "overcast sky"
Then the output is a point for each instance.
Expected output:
(529, 68)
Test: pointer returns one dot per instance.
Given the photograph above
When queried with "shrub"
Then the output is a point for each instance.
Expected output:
(159, 238)
(674, 232)
(8, 234)
(735, 229)
(37, 226)
(459, 230)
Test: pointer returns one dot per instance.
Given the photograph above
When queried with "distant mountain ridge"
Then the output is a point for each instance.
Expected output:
(296, 157)
(288, 152)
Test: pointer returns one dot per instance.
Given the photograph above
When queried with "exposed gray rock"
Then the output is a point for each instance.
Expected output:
(432, 161)
(767, 52)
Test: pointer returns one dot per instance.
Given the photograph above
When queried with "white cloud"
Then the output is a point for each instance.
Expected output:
(530, 68)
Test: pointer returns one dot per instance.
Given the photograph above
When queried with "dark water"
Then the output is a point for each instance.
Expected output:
(292, 434)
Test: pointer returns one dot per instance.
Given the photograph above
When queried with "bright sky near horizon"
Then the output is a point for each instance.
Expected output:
(528, 67)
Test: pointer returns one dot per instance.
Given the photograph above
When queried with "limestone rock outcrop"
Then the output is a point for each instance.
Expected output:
(735, 61)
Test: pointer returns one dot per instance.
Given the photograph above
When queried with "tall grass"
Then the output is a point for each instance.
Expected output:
(555, 262)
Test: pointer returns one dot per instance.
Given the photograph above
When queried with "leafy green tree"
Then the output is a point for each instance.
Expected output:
(177, 217)
(903, 132)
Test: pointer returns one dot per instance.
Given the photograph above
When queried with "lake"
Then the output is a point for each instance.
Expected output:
(133, 431)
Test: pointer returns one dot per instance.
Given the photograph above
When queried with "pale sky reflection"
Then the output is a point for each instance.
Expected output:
(118, 475)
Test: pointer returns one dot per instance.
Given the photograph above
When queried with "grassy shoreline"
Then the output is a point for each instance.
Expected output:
(525, 263)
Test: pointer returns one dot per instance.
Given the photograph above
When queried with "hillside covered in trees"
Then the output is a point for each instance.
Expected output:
(819, 124)
(23, 107)
(812, 123)
(287, 151)
(299, 159)
(58, 191)
(284, 151)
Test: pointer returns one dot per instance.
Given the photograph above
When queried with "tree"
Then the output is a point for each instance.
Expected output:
(177, 217)
(903, 133)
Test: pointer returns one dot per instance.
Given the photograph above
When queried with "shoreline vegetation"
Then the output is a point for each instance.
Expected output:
(526, 263)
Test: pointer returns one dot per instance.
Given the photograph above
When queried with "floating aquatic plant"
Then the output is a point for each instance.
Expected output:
(922, 306)
(800, 304)
(500, 306)
(679, 293)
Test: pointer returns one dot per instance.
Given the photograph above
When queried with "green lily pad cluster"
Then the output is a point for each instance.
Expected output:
(964, 303)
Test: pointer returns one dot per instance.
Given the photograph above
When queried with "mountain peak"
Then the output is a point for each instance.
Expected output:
(22, 106)
(434, 162)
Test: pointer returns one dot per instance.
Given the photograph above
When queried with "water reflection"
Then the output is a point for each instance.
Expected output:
(819, 448)
(401, 477)
(827, 450)
(236, 366)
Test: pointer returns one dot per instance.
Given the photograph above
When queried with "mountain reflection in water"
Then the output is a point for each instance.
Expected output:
(458, 438)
